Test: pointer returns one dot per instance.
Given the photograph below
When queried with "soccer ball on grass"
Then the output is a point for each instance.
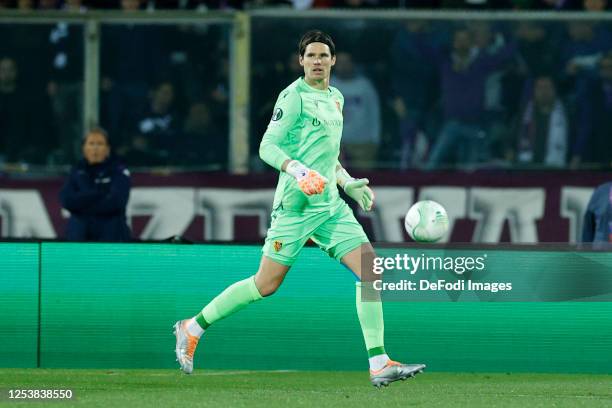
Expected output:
(426, 221)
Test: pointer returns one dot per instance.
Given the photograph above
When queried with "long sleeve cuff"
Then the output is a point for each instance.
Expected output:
(272, 155)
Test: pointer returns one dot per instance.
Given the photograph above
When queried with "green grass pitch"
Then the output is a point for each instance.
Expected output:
(170, 388)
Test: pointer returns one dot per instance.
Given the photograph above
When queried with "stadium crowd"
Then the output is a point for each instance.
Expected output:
(175, 113)
(418, 94)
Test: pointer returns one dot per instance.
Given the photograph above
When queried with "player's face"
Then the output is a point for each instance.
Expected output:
(95, 148)
(317, 61)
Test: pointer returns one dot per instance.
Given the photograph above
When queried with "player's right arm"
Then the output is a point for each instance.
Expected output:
(286, 119)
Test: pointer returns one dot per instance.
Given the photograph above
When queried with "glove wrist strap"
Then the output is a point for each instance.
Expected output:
(342, 177)
(296, 169)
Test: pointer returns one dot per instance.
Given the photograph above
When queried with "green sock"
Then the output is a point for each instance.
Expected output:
(372, 324)
(231, 300)
(201, 321)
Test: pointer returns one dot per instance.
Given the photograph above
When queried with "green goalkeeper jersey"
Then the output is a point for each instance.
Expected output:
(306, 125)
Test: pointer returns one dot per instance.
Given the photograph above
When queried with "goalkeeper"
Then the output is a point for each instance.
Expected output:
(303, 142)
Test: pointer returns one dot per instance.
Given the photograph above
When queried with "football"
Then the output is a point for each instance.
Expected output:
(426, 221)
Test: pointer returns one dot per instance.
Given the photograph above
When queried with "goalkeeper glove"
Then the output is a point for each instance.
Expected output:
(357, 189)
(309, 181)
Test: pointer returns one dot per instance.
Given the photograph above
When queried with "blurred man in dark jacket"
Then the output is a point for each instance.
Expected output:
(96, 194)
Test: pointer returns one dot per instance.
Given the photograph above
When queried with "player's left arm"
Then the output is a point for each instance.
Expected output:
(357, 189)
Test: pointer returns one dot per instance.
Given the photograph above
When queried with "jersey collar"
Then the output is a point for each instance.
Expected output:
(309, 88)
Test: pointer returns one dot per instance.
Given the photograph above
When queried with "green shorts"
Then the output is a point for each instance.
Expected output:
(336, 232)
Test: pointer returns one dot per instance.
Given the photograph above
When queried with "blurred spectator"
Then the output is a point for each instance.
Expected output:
(48, 4)
(555, 4)
(219, 93)
(198, 76)
(131, 62)
(152, 139)
(361, 112)
(188, 66)
(74, 6)
(544, 127)
(26, 131)
(495, 98)
(537, 46)
(413, 86)
(96, 194)
(65, 86)
(587, 42)
(25, 5)
(217, 98)
(131, 5)
(203, 144)
(538, 55)
(22, 41)
(488, 43)
(464, 71)
(595, 5)
(597, 226)
(593, 143)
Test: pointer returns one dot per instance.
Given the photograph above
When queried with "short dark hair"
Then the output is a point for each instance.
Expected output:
(316, 36)
(99, 131)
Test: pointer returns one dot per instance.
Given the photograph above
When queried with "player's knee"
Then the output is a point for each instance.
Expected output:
(268, 291)
(268, 288)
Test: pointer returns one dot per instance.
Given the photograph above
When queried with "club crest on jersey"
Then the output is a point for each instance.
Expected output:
(277, 114)
(338, 106)
(278, 245)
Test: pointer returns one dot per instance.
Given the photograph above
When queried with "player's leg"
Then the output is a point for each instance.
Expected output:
(344, 239)
(383, 370)
(370, 312)
(284, 240)
(237, 296)
(268, 278)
